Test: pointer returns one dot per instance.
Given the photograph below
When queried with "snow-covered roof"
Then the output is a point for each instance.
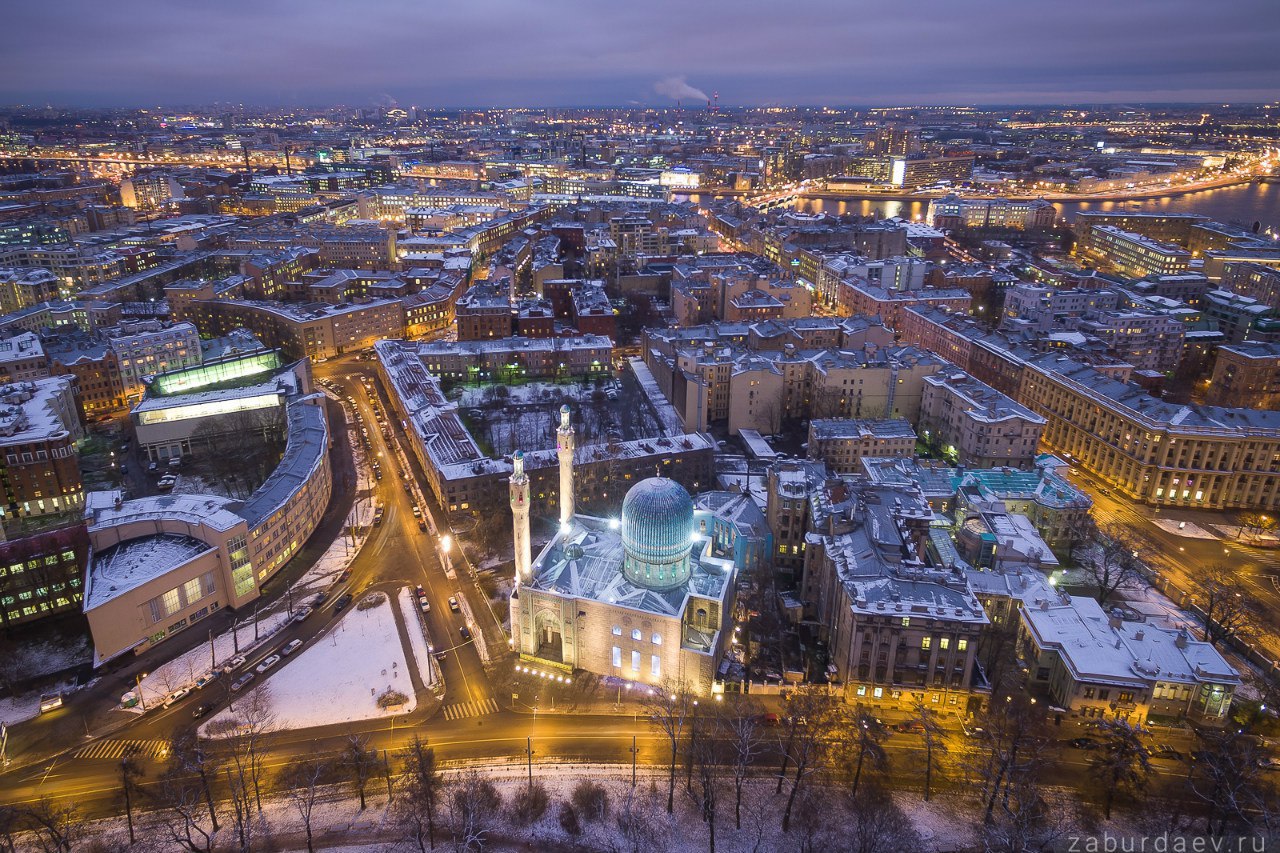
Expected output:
(131, 564)
(585, 562)
(308, 442)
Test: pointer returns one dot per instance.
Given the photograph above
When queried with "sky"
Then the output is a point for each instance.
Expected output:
(540, 53)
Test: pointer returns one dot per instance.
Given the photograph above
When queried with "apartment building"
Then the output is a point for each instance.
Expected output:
(842, 443)
(1247, 376)
(1132, 254)
(974, 424)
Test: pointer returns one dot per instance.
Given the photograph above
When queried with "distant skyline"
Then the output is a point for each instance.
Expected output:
(565, 53)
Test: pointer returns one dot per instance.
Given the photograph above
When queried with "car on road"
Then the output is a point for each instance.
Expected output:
(200, 710)
(205, 678)
(153, 467)
(235, 663)
(291, 647)
(422, 524)
(1104, 491)
(345, 576)
(465, 632)
(341, 603)
(239, 683)
(1083, 743)
(301, 613)
(453, 603)
(318, 600)
(377, 516)
(909, 727)
(267, 663)
(420, 590)
(50, 702)
(1166, 751)
(176, 696)
(175, 463)
(168, 481)
(769, 719)
(417, 511)
(972, 730)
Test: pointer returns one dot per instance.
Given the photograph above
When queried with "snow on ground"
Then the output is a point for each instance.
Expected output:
(350, 666)
(417, 636)
(1188, 529)
(183, 670)
(16, 709)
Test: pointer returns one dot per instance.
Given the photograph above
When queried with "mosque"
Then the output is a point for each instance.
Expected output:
(645, 598)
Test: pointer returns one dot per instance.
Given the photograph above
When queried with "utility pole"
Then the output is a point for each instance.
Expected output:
(633, 761)
(528, 751)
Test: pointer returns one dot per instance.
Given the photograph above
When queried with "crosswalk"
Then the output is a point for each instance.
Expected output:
(111, 748)
(461, 710)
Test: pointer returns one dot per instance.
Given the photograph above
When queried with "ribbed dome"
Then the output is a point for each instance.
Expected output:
(657, 533)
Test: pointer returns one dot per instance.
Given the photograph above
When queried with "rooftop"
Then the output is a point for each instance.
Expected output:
(128, 565)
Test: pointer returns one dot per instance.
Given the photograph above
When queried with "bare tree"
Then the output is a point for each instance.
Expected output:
(184, 816)
(188, 756)
(1010, 750)
(809, 726)
(1029, 819)
(706, 795)
(875, 824)
(360, 763)
(130, 773)
(418, 796)
(934, 736)
(54, 827)
(669, 710)
(474, 805)
(739, 728)
(1114, 562)
(10, 826)
(1122, 766)
(864, 738)
(1226, 778)
(245, 739)
(302, 787)
(1224, 613)
(641, 822)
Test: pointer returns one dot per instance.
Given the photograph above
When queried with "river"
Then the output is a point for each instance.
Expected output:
(1242, 204)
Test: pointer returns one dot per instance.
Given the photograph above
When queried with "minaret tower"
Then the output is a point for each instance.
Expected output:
(520, 519)
(564, 449)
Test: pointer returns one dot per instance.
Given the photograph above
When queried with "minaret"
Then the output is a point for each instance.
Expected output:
(520, 519)
(564, 449)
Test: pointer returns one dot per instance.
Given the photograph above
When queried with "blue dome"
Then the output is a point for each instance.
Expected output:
(657, 533)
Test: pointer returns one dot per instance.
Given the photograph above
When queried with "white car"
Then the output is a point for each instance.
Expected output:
(176, 696)
(453, 604)
(291, 647)
(235, 663)
(301, 613)
(267, 663)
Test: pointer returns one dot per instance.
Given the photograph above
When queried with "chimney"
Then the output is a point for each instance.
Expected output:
(1115, 617)
(1181, 640)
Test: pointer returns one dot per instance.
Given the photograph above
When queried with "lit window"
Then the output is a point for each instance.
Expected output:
(635, 634)
(617, 630)
(617, 656)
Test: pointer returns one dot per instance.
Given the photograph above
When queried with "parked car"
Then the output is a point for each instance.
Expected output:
(345, 576)
(205, 678)
(909, 727)
(175, 462)
(377, 516)
(176, 696)
(239, 683)
(166, 482)
(465, 632)
(318, 600)
(1083, 743)
(235, 663)
(424, 605)
(50, 702)
(267, 663)
(417, 511)
(291, 647)
(420, 590)
(453, 603)
(1166, 751)
(153, 467)
(422, 524)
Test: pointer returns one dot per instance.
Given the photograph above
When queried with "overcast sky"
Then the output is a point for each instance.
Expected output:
(445, 53)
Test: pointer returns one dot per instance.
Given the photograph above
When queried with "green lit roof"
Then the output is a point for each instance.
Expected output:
(247, 369)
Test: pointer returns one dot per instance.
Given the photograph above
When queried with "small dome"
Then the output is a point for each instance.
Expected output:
(657, 533)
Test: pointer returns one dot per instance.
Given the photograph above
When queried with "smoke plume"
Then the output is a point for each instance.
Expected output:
(678, 89)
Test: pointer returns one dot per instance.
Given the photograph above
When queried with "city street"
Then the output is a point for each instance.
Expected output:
(1179, 559)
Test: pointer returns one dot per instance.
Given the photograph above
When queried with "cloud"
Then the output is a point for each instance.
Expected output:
(677, 89)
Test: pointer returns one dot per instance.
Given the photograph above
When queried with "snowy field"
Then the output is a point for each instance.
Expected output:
(1188, 529)
(350, 666)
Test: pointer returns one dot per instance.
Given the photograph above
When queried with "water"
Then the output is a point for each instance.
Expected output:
(1242, 204)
